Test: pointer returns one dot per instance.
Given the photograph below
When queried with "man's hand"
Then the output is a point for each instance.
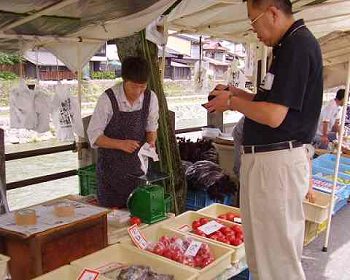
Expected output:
(311, 196)
(324, 140)
(129, 146)
(219, 103)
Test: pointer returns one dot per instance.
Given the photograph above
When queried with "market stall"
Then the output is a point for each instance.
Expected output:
(74, 40)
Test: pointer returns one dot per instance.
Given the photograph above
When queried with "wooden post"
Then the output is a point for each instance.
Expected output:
(2, 157)
(3, 201)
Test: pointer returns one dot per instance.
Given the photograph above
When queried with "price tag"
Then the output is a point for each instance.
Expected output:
(210, 227)
(237, 220)
(185, 228)
(88, 274)
(137, 237)
(193, 248)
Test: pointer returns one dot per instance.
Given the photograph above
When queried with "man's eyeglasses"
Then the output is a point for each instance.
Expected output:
(252, 22)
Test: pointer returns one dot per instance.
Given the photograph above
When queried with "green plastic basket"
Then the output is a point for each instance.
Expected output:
(87, 180)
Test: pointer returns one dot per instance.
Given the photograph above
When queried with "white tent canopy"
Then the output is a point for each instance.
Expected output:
(72, 29)
(227, 19)
(336, 52)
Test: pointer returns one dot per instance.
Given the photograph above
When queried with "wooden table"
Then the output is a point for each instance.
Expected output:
(42, 252)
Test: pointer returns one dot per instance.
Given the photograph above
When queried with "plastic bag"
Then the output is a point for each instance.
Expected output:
(66, 115)
(22, 112)
(208, 176)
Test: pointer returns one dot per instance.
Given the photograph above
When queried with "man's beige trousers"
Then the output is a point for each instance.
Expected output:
(273, 186)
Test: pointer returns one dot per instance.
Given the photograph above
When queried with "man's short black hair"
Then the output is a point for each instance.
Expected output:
(340, 94)
(135, 69)
(283, 5)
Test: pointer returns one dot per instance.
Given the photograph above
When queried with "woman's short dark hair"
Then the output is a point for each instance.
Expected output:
(283, 5)
(135, 69)
(340, 94)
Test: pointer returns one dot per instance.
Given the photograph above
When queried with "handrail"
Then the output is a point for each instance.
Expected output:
(41, 179)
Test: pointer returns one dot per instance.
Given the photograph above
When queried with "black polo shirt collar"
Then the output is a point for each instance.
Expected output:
(294, 27)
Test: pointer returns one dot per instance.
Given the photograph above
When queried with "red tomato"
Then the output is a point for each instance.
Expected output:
(237, 228)
(165, 240)
(203, 221)
(196, 224)
(236, 242)
(230, 237)
(200, 233)
(225, 230)
(135, 221)
(230, 216)
(222, 216)
(206, 262)
(197, 261)
(239, 235)
(159, 249)
(168, 254)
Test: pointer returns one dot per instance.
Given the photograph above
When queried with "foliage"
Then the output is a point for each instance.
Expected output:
(7, 76)
(10, 59)
(170, 161)
(103, 75)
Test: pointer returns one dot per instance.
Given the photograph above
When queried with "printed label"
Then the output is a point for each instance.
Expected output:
(137, 237)
(210, 227)
(193, 249)
(88, 274)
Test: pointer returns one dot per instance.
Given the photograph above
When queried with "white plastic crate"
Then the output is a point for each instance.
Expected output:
(217, 209)
(66, 272)
(126, 254)
(188, 217)
(317, 212)
(222, 254)
(226, 157)
(3, 266)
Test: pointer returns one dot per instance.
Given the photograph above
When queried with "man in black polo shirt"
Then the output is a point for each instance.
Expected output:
(279, 120)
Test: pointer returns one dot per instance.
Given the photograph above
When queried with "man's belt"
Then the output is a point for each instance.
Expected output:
(270, 147)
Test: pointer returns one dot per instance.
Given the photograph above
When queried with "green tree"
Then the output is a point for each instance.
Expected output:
(170, 162)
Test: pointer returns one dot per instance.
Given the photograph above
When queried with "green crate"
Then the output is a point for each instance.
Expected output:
(87, 180)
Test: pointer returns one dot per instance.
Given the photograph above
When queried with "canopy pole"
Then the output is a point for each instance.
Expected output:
(37, 66)
(79, 73)
(163, 64)
(325, 247)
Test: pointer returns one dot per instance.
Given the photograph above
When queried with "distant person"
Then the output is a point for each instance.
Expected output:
(125, 117)
(328, 124)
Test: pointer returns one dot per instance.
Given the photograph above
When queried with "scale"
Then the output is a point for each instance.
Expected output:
(148, 200)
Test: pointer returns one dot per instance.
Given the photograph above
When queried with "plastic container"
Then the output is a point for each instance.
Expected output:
(126, 254)
(217, 209)
(184, 222)
(226, 157)
(325, 186)
(331, 157)
(221, 253)
(311, 232)
(66, 272)
(328, 173)
(339, 204)
(199, 199)
(317, 212)
(343, 168)
(3, 266)
(87, 180)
